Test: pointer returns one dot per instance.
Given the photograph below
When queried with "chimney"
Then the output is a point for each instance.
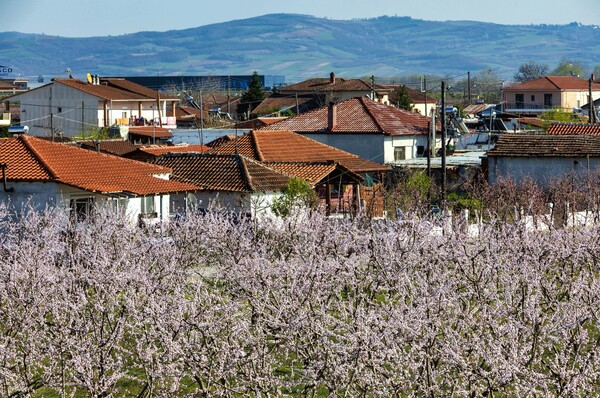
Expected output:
(332, 78)
(331, 116)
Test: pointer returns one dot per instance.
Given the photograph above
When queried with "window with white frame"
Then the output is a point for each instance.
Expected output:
(399, 153)
(148, 204)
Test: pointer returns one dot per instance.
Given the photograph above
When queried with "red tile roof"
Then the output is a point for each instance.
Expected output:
(357, 115)
(151, 131)
(325, 84)
(287, 146)
(158, 150)
(526, 145)
(312, 172)
(554, 83)
(572, 128)
(259, 122)
(114, 147)
(34, 159)
(115, 90)
(282, 102)
(232, 173)
(416, 97)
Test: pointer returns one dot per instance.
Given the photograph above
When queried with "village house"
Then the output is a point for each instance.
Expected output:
(548, 93)
(336, 89)
(70, 106)
(345, 182)
(38, 172)
(543, 158)
(152, 152)
(364, 127)
(230, 182)
(419, 101)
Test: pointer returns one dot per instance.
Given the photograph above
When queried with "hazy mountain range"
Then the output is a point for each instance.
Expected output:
(300, 46)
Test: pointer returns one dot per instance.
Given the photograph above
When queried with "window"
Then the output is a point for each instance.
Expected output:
(399, 153)
(548, 100)
(520, 101)
(59, 109)
(533, 98)
(147, 204)
(81, 208)
(120, 204)
(420, 150)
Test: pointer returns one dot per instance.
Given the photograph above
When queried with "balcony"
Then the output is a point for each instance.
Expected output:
(531, 108)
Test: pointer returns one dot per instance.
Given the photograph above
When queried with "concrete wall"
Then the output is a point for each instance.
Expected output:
(541, 170)
(367, 146)
(257, 204)
(64, 103)
(410, 143)
(40, 195)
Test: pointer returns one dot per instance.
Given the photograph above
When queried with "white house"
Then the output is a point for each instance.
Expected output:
(71, 106)
(543, 158)
(37, 172)
(232, 182)
(371, 130)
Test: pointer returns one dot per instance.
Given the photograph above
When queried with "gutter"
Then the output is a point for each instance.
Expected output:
(6, 189)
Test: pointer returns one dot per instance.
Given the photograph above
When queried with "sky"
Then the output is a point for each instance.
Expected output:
(85, 18)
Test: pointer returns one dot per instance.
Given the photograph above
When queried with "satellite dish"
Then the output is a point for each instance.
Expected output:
(89, 78)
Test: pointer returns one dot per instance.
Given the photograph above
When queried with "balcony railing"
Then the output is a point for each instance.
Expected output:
(523, 107)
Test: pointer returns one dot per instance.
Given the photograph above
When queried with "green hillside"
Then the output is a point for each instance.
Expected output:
(300, 46)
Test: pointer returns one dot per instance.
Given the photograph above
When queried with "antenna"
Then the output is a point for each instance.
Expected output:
(89, 78)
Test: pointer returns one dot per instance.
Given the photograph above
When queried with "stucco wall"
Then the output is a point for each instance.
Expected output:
(367, 146)
(541, 170)
(257, 204)
(40, 195)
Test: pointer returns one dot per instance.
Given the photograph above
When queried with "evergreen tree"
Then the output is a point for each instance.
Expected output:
(251, 98)
(403, 99)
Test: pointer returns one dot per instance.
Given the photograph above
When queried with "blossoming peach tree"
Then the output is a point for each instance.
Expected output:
(217, 306)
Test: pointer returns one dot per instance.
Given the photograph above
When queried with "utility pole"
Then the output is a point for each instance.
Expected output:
(229, 95)
(201, 121)
(158, 105)
(444, 144)
(469, 86)
(424, 90)
(373, 87)
(82, 119)
(591, 113)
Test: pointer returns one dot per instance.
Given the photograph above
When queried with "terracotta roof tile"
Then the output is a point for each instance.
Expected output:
(283, 101)
(416, 97)
(34, 159)
(312, 172)
(223, 172)
(572, 128)
(151, 131)
(522, 145)
(159, 150)
(554, 83)
(114, 147)
(115, 89)
(357, 115)
(287, 146)
(325, 84)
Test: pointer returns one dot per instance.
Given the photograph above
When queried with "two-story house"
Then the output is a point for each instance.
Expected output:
(72, 106)
(547, 93)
